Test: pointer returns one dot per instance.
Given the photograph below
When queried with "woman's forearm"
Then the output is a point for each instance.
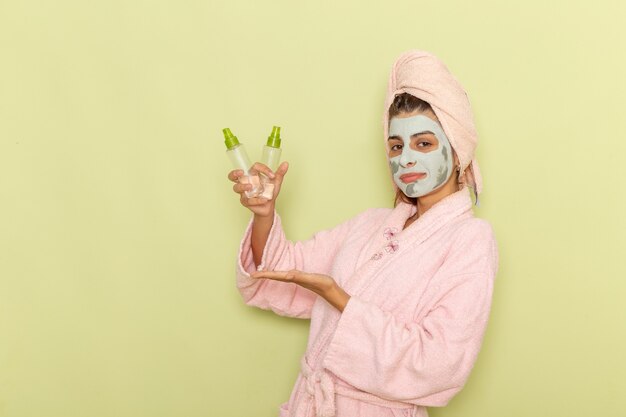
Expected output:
(260, 231)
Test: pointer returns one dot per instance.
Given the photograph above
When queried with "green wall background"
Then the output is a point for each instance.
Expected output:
(119, 229)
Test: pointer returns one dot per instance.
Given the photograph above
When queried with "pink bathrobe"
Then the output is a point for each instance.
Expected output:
(412, 329)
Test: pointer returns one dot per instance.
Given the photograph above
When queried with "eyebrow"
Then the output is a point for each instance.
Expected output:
(426, 132)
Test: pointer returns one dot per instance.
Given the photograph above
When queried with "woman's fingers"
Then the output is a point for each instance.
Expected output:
(257, 167)
(277, 275)
(281, 171)
(292, 275)
(235, 174)
(269, 274)
(280, 176)
(240, 188)
(256, 201)
(252, 201)
(320, 284)
(262, 168)
(282, 168)
(258, 205)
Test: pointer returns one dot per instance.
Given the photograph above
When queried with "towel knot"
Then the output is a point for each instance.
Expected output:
(321, 387)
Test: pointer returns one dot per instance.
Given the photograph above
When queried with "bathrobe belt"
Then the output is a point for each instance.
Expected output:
(321, 386)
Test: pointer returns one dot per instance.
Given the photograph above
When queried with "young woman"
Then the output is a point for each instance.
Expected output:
(398, 298)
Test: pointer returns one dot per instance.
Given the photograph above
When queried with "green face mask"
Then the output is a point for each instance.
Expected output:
(425, 160)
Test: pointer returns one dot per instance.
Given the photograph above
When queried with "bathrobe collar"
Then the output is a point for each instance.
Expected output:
(439, 214)
(391, 239)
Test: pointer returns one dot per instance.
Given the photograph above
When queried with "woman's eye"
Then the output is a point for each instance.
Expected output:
(396, 147)
(426, 144)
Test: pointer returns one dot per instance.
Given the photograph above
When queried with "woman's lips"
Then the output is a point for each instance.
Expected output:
(412, 177)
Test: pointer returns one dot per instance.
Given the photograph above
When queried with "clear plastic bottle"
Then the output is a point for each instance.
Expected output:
(239, 158)
(271, 158)
(272, 150)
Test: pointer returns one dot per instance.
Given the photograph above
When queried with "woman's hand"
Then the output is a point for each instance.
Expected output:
(259, 205)
(322, 285)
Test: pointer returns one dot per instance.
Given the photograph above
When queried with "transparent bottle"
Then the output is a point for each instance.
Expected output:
(239, 158)
(271, 158)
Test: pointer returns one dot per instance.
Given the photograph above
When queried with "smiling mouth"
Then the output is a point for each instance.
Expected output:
(412, 177)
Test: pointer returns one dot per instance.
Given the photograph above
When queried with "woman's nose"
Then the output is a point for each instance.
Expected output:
(406, 161)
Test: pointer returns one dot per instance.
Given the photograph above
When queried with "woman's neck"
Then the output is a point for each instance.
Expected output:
(424, 203)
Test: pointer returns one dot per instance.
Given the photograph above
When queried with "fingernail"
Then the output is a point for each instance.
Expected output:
(272, 175)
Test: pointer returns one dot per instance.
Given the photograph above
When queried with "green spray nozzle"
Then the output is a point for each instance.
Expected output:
(230, 140)
(273, 139)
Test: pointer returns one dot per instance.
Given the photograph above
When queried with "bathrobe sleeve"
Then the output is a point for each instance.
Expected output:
(314, 255)
(427, 362)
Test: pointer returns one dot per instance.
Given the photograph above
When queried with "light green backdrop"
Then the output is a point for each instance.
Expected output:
(119, 229)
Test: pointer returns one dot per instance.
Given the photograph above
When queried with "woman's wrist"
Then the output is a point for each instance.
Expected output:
(265, 217)
(337, 297)
(262, 217)
(261, 227)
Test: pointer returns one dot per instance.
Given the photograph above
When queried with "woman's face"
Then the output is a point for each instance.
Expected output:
(420, 154)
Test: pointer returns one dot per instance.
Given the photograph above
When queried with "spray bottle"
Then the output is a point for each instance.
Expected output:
(239, 158)
(271, 158)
